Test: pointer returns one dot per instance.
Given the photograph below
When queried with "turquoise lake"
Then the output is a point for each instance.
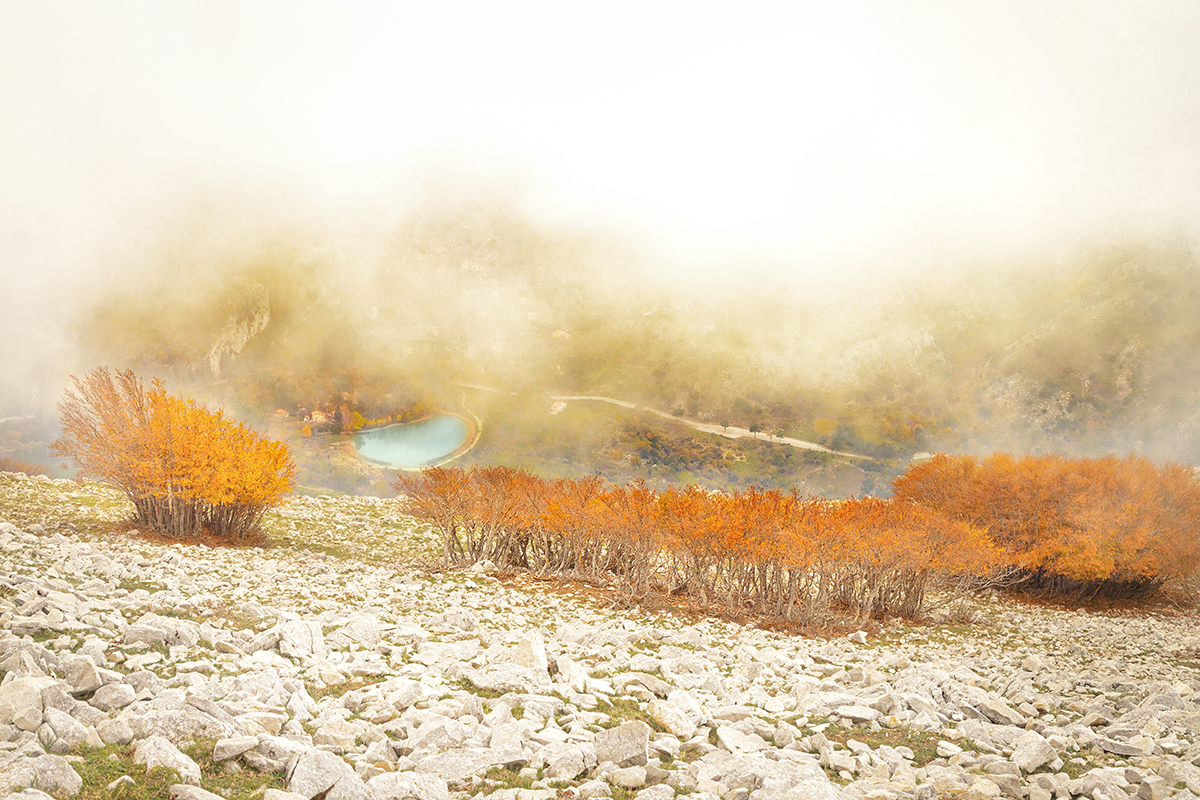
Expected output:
(417, 444)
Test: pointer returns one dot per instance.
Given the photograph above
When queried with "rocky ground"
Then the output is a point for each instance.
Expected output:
(330, 667)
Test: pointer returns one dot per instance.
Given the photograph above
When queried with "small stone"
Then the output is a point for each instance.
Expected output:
(981, 789)
(1152, 787)
(624, 745)
(531, 651)
(113, 696)
(947, 749)
(1001, 713)
(1117, 748)
(1032, 751)
(226, 749)
(629, 777)
(119, 783)
(21, 701)
(157, 751)
(407, 785)
(182, 791)
(115, 731)
(54, 774)
(736, 742)
(82, 675)
(858, 714)
(672, 718)
(318, 772)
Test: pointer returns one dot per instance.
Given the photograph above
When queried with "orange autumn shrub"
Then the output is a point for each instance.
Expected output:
(437, 497)
(24, 467)
(888, 552)
(186, 469)
(1108, 525)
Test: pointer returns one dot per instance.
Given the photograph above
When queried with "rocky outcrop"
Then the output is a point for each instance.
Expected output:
(242, 326)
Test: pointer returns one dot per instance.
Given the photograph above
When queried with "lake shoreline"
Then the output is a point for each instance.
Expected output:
(471, 438)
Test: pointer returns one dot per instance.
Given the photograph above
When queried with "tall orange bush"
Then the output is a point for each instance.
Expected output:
(1105, 524)
(185, 468)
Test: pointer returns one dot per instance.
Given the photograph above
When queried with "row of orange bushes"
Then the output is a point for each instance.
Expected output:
(1054, 524)
(766, 551)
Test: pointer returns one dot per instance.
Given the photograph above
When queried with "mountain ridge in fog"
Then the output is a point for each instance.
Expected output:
(1091, 352)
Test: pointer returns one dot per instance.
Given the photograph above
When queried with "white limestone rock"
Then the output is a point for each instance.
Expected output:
(1032, 751)
(625, 745)
(21, 702)
(183, 791)
(157, 751)
(407, 786)
(317, 772)
(53, 773)
(672, 718)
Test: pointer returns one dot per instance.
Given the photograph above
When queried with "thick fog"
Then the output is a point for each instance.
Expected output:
(153, 150)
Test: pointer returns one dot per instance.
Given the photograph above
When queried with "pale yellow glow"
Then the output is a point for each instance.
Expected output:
(803, 135)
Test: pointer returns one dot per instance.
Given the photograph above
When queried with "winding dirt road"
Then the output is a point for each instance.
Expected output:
(731, 432)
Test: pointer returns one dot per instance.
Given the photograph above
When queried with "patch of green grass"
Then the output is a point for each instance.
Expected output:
(625, 709)
(922, 743)
(233, 619)
(506, 778)
(1076, 766)
(621, 793)
(101, 766)
(246, 783)
(131, 585)
(487, 694)
(339, 689)
(177, 614)
(339, 552)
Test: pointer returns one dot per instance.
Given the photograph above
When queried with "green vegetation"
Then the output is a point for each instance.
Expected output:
(619, 444)
(487, 694)
(100, 767)
(498, 778)
(340, 689)
(625, 709)
(923, 744)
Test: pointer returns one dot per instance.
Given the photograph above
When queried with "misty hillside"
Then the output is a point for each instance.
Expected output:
(1083, 354)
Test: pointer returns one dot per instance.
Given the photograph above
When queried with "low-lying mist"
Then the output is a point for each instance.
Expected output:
(1091, 350)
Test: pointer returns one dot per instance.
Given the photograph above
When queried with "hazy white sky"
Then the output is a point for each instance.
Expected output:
(803, 133)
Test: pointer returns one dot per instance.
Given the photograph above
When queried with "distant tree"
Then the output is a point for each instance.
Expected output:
(12, 465)
(725, 423)
(755, 428)
(186, 469)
